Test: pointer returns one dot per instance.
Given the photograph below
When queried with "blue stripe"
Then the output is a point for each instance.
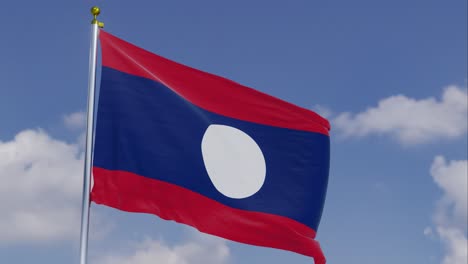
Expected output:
(145, 128)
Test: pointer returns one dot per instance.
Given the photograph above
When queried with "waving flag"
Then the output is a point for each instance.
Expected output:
(204, 151)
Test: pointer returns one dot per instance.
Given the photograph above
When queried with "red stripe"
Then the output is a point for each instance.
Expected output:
(133, 193)
(208, 91)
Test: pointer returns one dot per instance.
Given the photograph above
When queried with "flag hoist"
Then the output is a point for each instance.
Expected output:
(95, 25)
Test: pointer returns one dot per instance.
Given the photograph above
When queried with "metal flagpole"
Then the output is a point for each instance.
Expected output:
(95, 25)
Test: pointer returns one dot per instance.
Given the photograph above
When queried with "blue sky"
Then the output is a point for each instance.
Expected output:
(390, 75)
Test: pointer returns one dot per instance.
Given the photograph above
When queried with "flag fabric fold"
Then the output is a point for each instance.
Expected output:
(204, 151)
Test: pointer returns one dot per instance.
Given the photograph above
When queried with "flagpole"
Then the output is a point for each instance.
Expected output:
(95, 24)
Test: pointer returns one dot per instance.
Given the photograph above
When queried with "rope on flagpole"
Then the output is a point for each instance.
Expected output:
(95, 25)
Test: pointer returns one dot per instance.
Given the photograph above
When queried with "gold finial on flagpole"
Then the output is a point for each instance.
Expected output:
(95, 11)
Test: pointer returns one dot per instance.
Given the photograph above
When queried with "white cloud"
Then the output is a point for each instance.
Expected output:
(75, 120)
(410, 120)
(200, 250)
(452, 178)
(451, 212)
(41, 187)
(456, 245)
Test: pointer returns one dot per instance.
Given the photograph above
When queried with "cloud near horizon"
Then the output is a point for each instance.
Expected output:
(411, 121)
(201, 249)
(41, 187)
(450, 216)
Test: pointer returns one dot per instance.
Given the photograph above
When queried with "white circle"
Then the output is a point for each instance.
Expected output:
(233, 160)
